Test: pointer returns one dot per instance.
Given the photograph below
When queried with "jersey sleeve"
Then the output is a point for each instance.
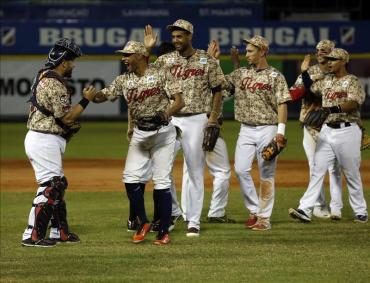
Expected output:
(281, 89)
(172, 86)
(216, 77)
(355, 91)
(115, 89)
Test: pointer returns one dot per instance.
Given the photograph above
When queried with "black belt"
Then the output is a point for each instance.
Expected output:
(149, 129)
(186, 114)
(338, 125)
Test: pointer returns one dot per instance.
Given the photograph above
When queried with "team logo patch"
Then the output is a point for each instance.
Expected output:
(345, 84)
(150, 79)
(131, 84)
(64, 99)
(203, 60)
(170, 60)
(274, 74)
(328, 84)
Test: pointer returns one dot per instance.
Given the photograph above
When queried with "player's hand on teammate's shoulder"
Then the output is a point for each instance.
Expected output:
(89, 92)
(150, 37)
(306, 63)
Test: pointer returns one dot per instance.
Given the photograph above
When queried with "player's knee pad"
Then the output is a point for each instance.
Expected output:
(55, 188)
(42, 215)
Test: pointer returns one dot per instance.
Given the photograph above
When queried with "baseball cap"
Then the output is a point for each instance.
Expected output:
(181, 24)
(133, 47)
(258, 41)
(338, 53)
(325, 44)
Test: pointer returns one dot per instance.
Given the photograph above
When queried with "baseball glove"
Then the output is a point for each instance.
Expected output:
(365, 140)
(154, 122)
(211, 134)
(270, 151)
(316, 118)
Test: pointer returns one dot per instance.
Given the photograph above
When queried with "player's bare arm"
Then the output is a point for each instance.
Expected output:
(176, 105)
(282, 119)
(216, 107)
(130, 125)
(76, 110)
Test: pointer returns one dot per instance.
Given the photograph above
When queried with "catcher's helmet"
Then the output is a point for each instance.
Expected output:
(64, 49)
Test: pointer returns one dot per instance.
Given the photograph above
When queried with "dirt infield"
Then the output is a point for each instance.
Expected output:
(105, 175)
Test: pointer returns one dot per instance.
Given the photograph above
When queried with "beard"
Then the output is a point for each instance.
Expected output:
(68, 73)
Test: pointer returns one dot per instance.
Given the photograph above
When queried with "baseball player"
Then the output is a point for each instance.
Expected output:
(310, 134)
(261, 94)
(340, 136)
(147, 91)
(200, 77)
(51, 123)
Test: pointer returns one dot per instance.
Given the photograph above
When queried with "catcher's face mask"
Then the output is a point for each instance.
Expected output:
(64, 49)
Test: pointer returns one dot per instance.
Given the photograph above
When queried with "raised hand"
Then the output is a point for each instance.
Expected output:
(306, 63)
(234, 55)
(150, 38)
(214, 49)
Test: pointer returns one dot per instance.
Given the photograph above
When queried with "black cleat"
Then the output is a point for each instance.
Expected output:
(43, 243)
(222, 219)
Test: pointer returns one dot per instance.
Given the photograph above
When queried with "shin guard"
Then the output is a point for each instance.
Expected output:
(43, 213)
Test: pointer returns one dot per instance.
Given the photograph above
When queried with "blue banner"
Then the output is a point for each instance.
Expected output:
(36, 37)
(121, 11)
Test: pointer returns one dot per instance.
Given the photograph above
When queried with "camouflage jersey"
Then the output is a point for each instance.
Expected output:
(335, 91)
(257, 94)
(198, 75)
(145, 95)
(55, 97)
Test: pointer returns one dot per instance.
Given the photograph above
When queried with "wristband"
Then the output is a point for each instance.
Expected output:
(335, 109)
(281, 129)
(84, 102)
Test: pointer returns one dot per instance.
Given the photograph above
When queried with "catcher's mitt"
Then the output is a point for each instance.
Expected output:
(315, 118)
(211, 134)
(270, 151)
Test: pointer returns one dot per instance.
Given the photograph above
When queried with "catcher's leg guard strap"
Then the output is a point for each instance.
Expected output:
(43, 213)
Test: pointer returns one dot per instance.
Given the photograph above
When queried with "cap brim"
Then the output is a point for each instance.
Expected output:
(123, 52)
(331, 57)
(171, 28)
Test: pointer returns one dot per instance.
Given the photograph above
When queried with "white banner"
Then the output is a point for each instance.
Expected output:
(17, 76)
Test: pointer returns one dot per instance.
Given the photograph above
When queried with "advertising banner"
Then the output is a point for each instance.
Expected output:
(17, 77)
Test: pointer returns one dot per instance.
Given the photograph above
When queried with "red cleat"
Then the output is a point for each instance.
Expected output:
(251, 221)
(140, 234)
(162, 241)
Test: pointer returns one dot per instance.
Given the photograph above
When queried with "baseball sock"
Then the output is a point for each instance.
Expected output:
(132, 215)
(163, 199)
(136, 197)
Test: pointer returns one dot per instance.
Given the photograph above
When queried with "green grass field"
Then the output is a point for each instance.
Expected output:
(322, 251)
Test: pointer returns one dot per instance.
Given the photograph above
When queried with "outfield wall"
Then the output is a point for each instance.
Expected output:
(17, 74)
